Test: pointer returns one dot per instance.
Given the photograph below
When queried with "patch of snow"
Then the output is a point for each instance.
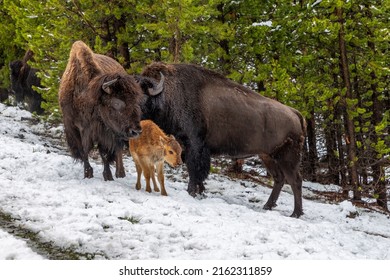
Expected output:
(43, 189)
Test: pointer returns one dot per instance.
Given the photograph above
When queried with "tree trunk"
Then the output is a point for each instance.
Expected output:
(331, 149)
(378, 171)
(350, 127)
(312, 154)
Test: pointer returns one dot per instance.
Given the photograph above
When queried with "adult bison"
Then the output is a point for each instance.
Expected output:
(23, 79)
(100, 104)
(212, 115)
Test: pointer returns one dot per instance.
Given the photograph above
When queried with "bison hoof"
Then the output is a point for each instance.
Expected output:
(108, 177)
(197, 195)
(195, 190)
(88, 173)
(120, 174)
(297, 214)
(269, 206)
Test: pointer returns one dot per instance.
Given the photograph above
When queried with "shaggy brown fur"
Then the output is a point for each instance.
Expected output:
(150, 150)
(100, 107)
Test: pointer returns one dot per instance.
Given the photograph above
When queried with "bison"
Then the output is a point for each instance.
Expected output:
(212, 115)
(23, 79)
(100, 104)
(150, 150)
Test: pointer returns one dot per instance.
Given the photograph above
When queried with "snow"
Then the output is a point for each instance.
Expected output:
(264, 23)
(42, 188)
(15, 249)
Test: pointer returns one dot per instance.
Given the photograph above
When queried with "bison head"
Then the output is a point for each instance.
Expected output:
(119, 104)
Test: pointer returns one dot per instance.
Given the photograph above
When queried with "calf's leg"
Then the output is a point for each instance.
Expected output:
(160, 176)
(146, 170)
(152, 175)
(139, 172)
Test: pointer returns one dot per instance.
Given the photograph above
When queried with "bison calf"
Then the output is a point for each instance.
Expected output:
(150, 150)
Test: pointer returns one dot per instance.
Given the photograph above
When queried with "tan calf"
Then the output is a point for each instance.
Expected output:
(150, 150)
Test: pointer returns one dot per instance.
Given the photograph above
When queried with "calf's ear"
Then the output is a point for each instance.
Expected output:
(162, 141)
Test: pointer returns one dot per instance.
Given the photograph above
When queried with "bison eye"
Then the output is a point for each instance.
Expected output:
(117, 104)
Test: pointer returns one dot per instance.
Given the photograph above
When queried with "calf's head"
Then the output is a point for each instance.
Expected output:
(172, 151)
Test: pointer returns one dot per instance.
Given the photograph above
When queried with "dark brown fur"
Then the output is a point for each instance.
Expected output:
(23, 79)
(212, 115)
(97, 113)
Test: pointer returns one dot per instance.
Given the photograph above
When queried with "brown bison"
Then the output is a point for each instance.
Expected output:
(100, 106)
(212, 115)
(150, 150)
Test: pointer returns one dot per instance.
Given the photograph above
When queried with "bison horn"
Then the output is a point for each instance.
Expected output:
(158, 88)
(106, 85)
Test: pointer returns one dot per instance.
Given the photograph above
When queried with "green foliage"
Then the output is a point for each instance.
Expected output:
(131, 219)
(288, 50)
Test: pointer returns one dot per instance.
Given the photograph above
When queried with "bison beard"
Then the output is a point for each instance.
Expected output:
(212, 115)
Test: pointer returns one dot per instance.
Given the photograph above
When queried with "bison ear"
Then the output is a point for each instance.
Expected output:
(107, 85)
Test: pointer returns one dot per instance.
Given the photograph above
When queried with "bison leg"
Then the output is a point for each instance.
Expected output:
(79, 148)
(287, 166)
(107, 158)
(289, 162)
(107, 175)
(198, 165)
(277, 175)
(120, 170)
(88, 171)
(294, 178)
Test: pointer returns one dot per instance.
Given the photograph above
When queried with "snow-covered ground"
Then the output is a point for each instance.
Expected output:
(43, 191)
